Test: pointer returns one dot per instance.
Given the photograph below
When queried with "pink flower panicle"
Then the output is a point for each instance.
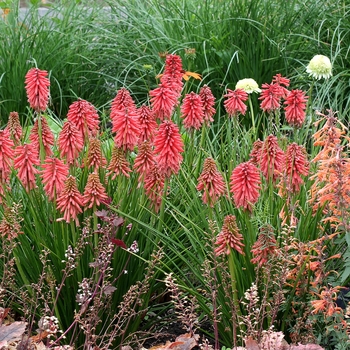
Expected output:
(94, 192)
(70, 142)
(95, 158)
(272, 158)
(229, 237)
(173, 72)
(37, 87)
(295, 108)
(148, 124)
(192, 111)
(47, 137)
(144, 160)
(121, 102)
(25, 159)
(271, 97)
(118, 164)
(245, 185)
(53, 176)
(255, 154)
(163, 101)
(14, 127)
(211, 182)
(70, 201)
(265, 246)
(6, 155)
(208, 100)
(168, 148)
(234, 104)
(154, 187)
(84, 116)
(296, 166)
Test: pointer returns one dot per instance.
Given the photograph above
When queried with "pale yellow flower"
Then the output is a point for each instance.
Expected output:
(248, 85)
(320, 67)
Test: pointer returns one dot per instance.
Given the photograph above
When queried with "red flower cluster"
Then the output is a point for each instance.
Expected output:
(37, 87)
(192, 111)
(46, 135)
(125, 120)
(168, 148)
(84, 116)
(245, 185)
(295, 108)
(235, 102)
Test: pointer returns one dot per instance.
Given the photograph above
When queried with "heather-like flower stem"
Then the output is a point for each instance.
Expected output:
(231, 265)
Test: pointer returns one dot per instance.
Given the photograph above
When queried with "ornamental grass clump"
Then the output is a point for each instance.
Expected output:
(251, 218)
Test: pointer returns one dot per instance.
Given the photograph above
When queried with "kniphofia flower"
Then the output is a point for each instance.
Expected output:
(211, 182)
(26, 158)
(6, 155)
(283, 83)
(234, 104)
(70, 201)
(295, 108)
(54, 173)
(154, 186)
(118, 164)
(272, 158)
(37, 87)
(14, 127)
(95, 158)
(271, 96)
(245, 185)
(163, 101)
(208, 100)
(229, 237)
(70, 142)
(248, 85)
(148, 124)
(296, 166)
(144, 160)
(121, 101)
(173, 72)
(46, 135)
(127, 128)
(168, 148)
(84, 116)
(320, 67)
(94, 192)
(192, 111)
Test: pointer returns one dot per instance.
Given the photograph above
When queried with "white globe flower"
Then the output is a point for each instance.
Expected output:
(248, 85)
(320, 67)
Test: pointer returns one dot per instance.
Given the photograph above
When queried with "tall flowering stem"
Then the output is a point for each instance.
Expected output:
(228, 241)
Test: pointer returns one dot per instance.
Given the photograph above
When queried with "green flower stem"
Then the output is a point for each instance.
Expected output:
(231, 265)
(41, 145)
(201, 144)
(162, 206)
(252, 115)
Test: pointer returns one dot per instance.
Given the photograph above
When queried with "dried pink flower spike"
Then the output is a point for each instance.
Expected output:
(94, 193)
(211, 182)
(70, 201)
(229, 237)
